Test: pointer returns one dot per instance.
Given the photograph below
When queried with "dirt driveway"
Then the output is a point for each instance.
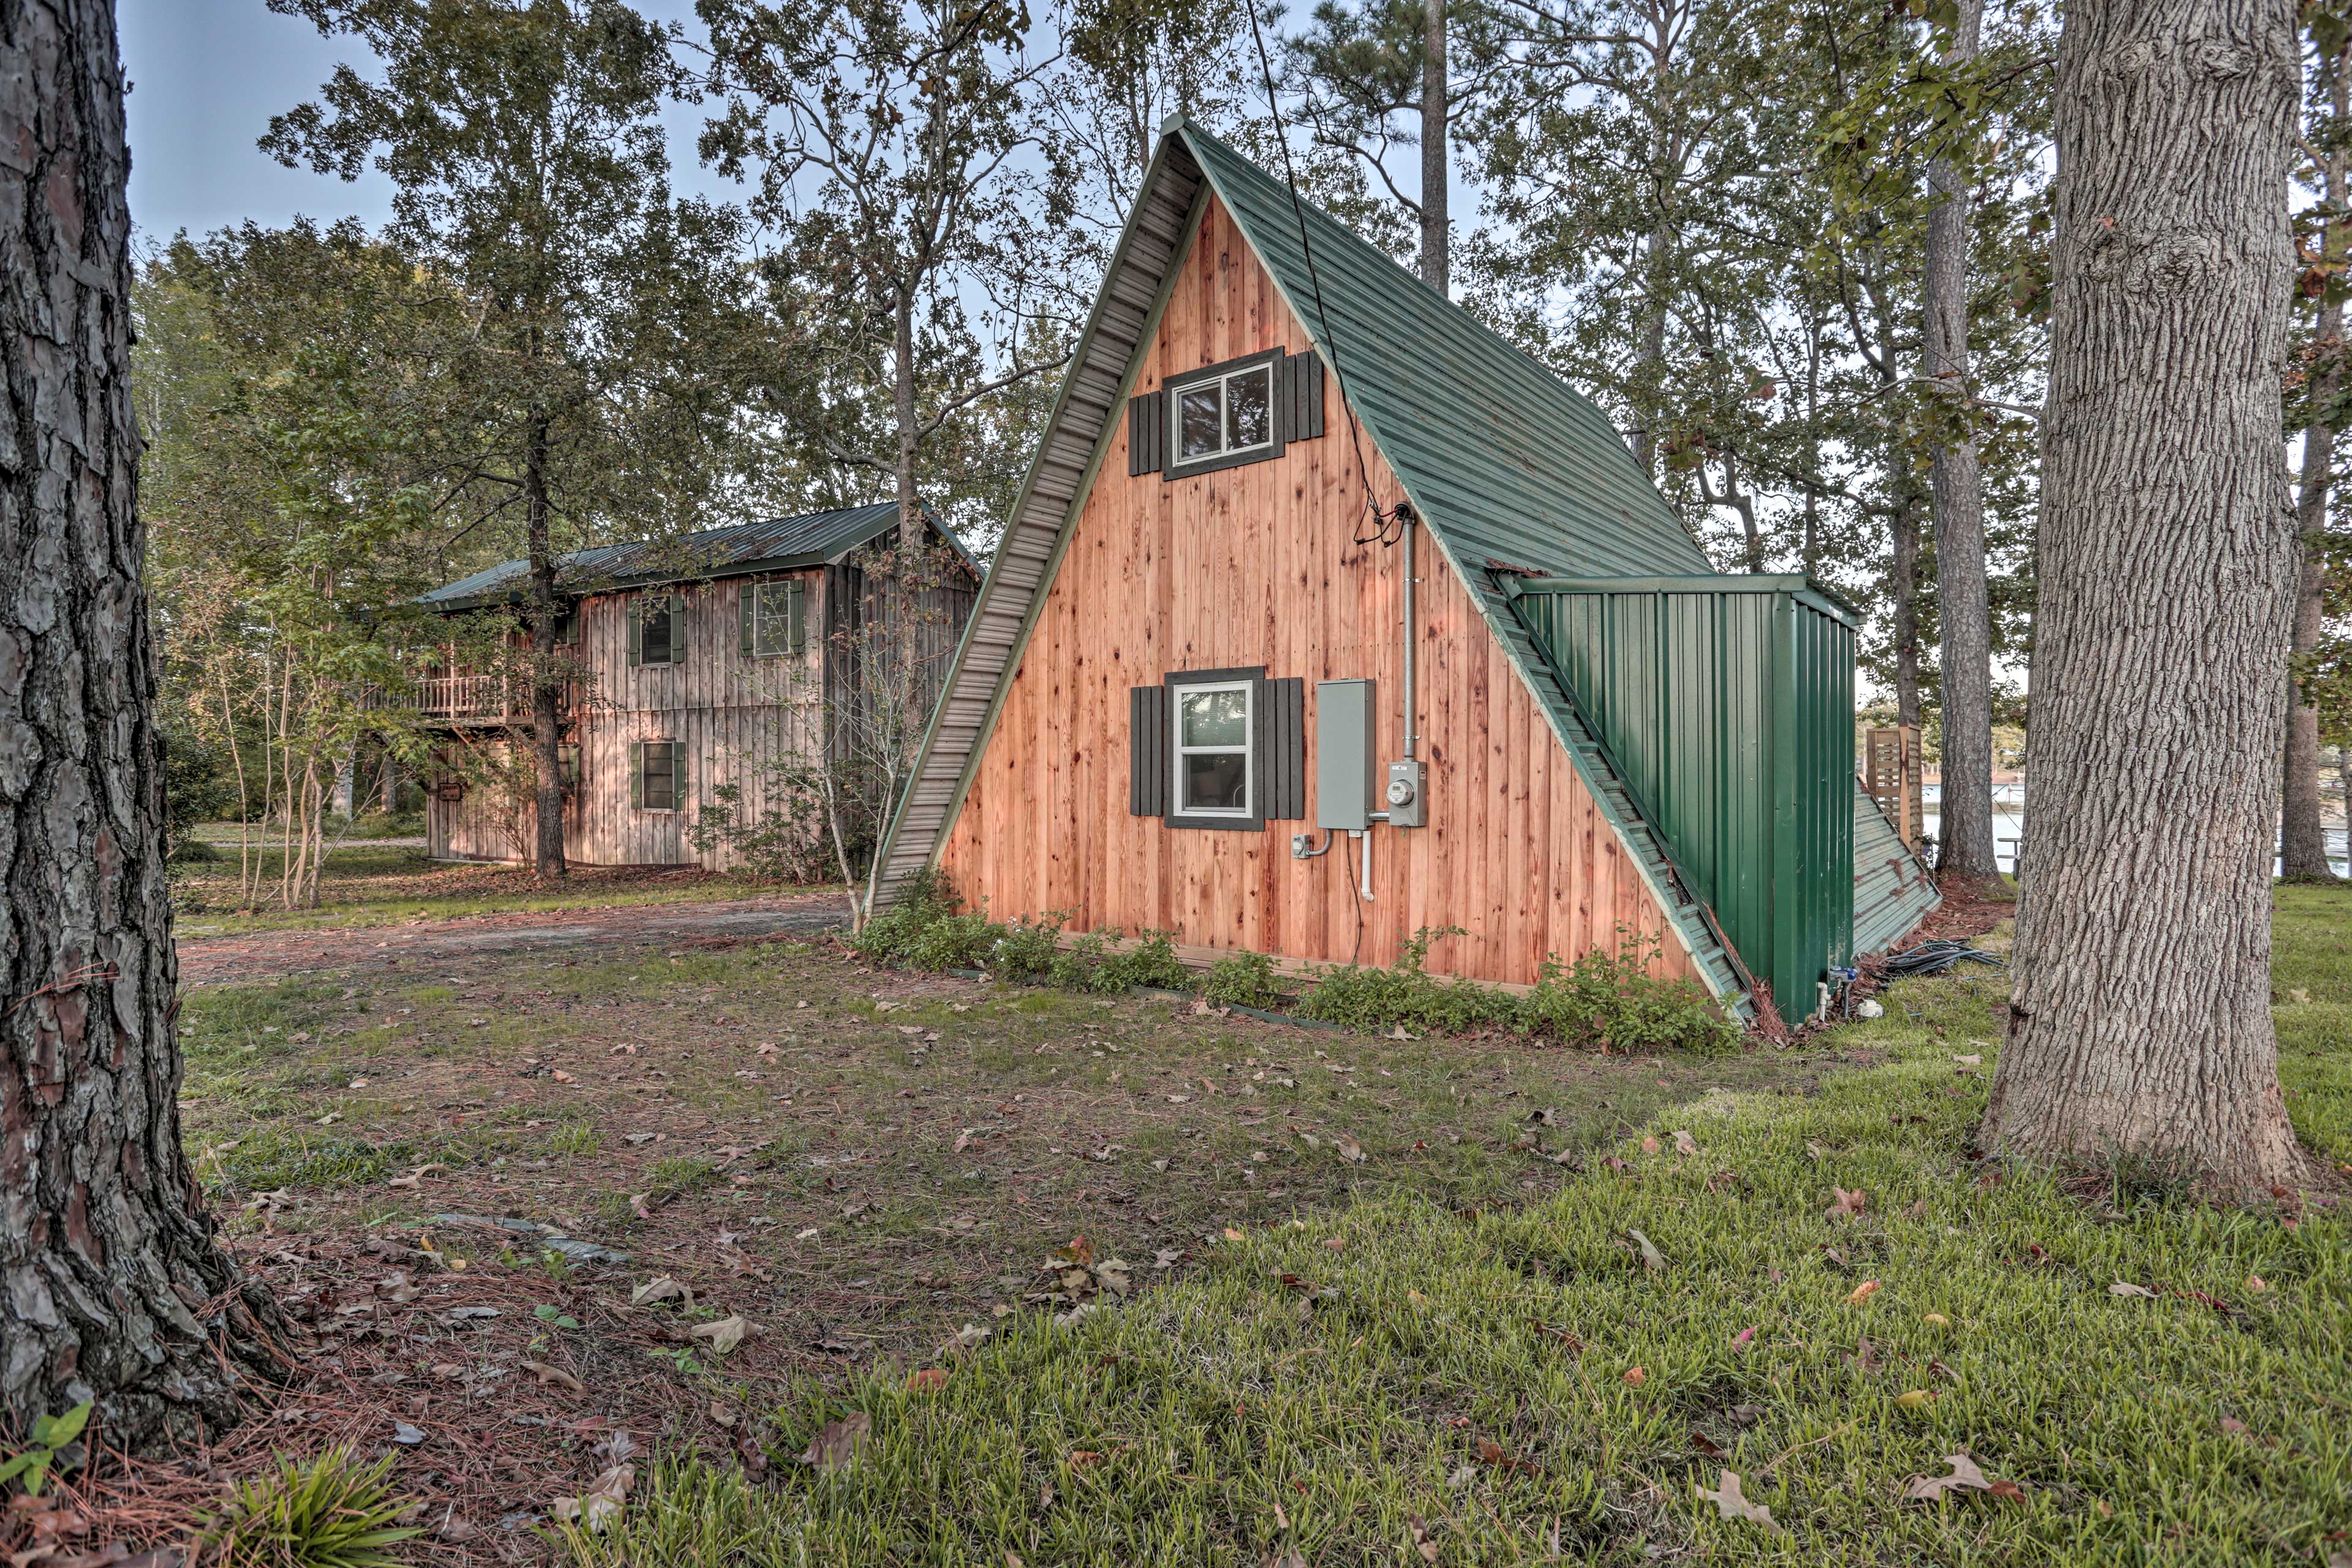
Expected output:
(261, 955)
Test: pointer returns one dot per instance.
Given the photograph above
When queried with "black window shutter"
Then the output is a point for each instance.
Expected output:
(1148, 741)
(1146, 433)
(1303, 399)
(1283, 753)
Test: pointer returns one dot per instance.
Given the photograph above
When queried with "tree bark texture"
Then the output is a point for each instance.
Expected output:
(1902, 586)
(1436, 237)
(2139, 1026)
(111, 1287)
(547, 682)
(2303, 842)
(909, 433)
(1964, 830)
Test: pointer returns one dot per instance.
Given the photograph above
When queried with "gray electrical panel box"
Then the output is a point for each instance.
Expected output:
(1343, 755)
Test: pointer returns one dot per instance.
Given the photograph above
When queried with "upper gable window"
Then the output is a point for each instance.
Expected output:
(1243, 411)
(1224, 415)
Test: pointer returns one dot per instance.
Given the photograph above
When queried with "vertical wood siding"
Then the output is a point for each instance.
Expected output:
(735, 720)
(1254, 565)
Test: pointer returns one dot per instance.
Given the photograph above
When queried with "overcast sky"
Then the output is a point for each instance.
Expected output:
(206, 76)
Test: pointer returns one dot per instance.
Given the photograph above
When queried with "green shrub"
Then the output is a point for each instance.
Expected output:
(1151, 962)
(1407, 994)
(955, 942)
(890, 937)
(1604, 1001)
(1025, 951)
(1242, 980)
(330, 1512)
(1610, 1001)
(1075, 966)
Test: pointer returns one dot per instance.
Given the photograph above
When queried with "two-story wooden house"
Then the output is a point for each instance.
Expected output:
(723, 658)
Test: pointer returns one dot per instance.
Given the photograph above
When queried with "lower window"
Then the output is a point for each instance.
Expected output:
(657, 775)
(1213, 761)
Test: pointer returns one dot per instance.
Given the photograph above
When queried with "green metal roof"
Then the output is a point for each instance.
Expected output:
(776, 544)
(1506, 460)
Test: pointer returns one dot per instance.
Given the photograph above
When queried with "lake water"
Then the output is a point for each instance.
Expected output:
(2008, 826)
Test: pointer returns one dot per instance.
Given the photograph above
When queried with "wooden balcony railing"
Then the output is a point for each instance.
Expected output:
(463, 698)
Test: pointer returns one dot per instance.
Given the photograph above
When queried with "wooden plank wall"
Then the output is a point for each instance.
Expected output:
(1089, 400)
(1255, 565)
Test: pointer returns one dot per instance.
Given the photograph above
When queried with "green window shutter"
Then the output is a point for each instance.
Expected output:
(636, 771)
(678, 775)
(800, 615)
(676, 628)
(746, 605)
(636, 632)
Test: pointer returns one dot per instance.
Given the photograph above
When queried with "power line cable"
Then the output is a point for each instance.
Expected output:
(1382, 518)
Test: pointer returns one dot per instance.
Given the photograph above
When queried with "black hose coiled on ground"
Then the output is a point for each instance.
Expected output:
(1938, 957)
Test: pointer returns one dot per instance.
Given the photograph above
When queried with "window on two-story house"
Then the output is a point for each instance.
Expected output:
(1214, 757)
(774, 617)
(657, 629)
(656, 775)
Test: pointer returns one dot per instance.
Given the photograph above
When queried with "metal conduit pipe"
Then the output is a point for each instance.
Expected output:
(1409, 522)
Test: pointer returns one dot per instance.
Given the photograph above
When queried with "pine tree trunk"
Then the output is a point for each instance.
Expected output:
(1902, 586)
(2139, 1026)
(1964, 829)
(110, 1284)
(1436, 228)
(2303, 842)
(902, 400)
(546, 679)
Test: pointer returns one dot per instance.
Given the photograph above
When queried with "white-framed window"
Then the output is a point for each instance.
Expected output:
(1224, 414)
(772, 619)
(1214, 757)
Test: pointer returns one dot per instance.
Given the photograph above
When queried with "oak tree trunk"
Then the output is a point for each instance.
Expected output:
(1435, 236)
(2139, 1026)
(111, 1286)
(547, 680)
(1964, 830)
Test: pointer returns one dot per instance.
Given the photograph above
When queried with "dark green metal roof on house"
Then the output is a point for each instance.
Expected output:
(1507, 461)
(774, 544)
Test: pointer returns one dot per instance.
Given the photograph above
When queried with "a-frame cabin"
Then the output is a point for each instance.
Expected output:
(1160, 702)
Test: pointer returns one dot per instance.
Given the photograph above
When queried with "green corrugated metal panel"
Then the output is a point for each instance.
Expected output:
(1718, 964)
(1892, 891)
(1726, 704)
(1506, 462)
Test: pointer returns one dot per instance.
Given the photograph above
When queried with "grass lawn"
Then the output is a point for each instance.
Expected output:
(2132, 1377)
(393, 884)
(935, 1136)
(1387, 1297)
